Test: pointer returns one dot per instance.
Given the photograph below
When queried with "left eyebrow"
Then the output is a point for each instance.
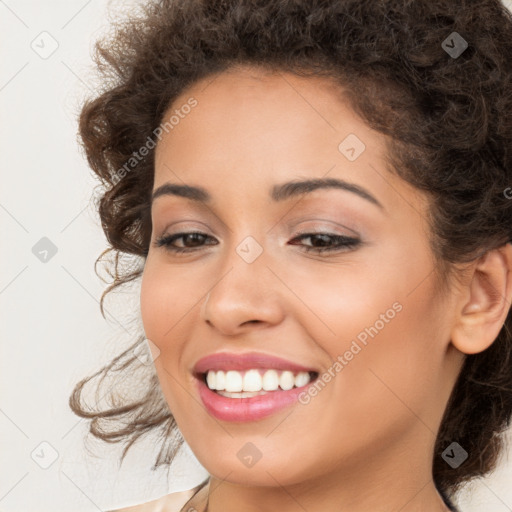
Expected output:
(294, 188)
(279, 192)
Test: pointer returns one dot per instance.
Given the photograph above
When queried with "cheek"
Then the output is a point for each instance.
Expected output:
(163, 302)
(384, 325)
(396, 377)
(165, 298)
(154, 304)
(163, 309)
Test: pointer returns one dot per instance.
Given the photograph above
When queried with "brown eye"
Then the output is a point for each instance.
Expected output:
(322, 242)
(191, 240)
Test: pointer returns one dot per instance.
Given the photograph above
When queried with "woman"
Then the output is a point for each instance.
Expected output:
(319, 197)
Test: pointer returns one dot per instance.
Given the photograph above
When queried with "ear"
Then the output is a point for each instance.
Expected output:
(485, 301)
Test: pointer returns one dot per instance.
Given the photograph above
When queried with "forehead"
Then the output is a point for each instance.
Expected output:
(263, 103)
(250, 110)
(251, 128)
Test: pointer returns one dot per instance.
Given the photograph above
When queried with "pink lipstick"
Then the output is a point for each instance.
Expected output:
(271, 383)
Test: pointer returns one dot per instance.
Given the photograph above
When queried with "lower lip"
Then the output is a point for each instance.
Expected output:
(247, 409)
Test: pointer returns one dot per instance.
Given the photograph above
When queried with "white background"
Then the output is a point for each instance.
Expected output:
(52, 331)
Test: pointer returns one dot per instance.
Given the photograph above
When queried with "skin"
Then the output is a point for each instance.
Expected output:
(366, 441)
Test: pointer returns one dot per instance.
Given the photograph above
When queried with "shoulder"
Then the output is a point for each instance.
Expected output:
(169, 503)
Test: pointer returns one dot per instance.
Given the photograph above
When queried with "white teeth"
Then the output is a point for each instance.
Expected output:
(270, 380)
(220, 380)
(252, 382)
(301, 379)
(287, 380)
(211, 380)
(234, 381)
(244, 394)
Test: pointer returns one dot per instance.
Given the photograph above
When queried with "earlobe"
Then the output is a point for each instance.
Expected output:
(485, 303)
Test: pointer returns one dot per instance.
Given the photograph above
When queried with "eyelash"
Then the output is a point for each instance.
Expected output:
(343, 242)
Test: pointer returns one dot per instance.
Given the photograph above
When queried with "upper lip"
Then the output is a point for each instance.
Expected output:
(246, 361)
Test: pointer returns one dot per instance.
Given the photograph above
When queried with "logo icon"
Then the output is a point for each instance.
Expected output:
(351, 147)
(249, 455)
(45, 45)
(454, 455)
(143, 355)
(454, 45)
(44, 455)
(249, 249)
(44, 250)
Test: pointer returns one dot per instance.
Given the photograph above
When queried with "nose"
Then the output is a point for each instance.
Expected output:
(246, 295)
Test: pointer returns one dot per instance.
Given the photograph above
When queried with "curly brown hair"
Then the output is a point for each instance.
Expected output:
(448, 117)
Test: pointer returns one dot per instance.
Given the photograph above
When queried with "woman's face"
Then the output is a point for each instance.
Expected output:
(366, 315)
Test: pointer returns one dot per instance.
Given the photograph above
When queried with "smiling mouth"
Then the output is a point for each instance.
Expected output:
(254, 382)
